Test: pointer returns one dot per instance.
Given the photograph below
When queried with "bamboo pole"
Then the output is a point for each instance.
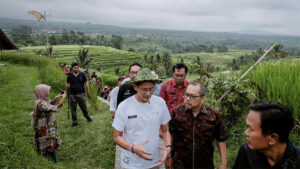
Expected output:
(257, 62)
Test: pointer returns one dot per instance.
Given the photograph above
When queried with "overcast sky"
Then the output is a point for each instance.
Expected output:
(277, 16)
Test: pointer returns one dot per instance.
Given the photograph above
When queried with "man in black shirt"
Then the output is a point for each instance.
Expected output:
(77, 83)
(127, 90)
(268, 128)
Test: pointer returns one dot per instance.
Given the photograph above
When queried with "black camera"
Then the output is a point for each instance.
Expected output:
(62, 92)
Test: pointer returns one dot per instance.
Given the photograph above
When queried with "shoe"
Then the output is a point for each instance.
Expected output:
(89, 120)
(73, 125)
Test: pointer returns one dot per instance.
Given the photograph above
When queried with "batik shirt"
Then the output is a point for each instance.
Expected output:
(194, 136)
(46, 135)
(172, 94)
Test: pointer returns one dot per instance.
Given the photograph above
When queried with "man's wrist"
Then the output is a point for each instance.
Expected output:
(132, 148)
(169, 146)
(223, 163)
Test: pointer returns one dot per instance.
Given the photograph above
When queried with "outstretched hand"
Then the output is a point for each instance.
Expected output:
(166, 151)
(140, 150)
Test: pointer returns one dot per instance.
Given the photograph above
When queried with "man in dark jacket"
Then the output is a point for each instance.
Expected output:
(127, 90)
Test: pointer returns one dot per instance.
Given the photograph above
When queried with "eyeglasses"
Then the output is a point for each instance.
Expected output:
(133, 73)
(179, 75)
(190, 96)
(145, 90)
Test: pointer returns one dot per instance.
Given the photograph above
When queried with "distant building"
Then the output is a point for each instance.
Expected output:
(5, 42)
(51, 31)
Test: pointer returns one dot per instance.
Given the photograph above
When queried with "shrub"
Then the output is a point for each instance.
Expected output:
(238, 99)
(108, 79)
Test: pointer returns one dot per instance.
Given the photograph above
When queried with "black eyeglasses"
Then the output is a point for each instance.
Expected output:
(133, 73)
(145, 90)
(190, 96)
(179, 75)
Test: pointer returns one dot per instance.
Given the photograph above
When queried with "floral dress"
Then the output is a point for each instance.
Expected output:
(46, 137)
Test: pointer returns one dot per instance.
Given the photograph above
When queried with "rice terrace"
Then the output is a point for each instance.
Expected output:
(242, 56)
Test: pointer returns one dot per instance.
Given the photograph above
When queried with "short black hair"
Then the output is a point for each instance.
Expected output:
(74, 64)
(135, 64)
(202, 87)
(180, 66)
(274, 118)
(120, 79)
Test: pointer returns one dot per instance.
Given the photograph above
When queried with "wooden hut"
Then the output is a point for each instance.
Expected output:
(5, 42)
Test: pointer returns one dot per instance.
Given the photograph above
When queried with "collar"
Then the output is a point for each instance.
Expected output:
(173, 83)
(78, 73)
(203, 110)
(289, 153)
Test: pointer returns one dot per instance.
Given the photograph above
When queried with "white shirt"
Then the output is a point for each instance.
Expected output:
(125, 80)
(113, 99)
(140, 122)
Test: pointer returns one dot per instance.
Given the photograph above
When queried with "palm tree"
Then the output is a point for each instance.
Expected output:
(277, 52)
(84, 58)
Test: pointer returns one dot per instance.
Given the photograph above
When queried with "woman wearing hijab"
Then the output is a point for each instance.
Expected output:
(46, 139)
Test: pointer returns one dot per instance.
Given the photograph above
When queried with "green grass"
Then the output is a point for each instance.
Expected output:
(280, 82)
(89, 145)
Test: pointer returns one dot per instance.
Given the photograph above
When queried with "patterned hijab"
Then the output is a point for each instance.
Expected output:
(41, 94)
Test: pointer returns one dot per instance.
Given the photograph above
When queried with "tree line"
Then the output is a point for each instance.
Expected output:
(22, 35)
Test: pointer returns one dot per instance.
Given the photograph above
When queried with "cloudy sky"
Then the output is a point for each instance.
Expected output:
(276, 16)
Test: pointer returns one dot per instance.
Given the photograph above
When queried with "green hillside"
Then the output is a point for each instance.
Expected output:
(103, 57)
(216, 59)
(107, 59)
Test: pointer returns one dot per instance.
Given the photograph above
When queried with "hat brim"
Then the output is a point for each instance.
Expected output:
(145, 80)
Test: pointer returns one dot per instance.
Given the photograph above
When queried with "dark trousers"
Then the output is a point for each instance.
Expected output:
(80, 99)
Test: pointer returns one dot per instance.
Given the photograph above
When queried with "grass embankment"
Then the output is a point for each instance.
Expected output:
(89, 145)
(280, 81)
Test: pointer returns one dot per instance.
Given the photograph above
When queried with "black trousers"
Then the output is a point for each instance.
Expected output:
(80, 99)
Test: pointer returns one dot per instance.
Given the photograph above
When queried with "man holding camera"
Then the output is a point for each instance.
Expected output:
(77, 83)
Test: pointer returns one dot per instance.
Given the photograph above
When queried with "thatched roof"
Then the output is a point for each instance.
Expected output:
(5, 42)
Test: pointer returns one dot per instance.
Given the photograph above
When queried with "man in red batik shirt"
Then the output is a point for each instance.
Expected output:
(173, 90)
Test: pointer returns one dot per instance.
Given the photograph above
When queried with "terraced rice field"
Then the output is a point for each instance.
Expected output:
(217, 59)
(103, 57)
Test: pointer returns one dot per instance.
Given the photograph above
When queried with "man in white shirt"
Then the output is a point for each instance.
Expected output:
(113, 98)
(137, 123)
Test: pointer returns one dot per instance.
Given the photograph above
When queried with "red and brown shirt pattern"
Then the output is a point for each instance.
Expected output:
(194, 136)
(172, 94)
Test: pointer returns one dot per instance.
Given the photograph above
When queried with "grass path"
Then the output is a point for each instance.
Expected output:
(89, 145)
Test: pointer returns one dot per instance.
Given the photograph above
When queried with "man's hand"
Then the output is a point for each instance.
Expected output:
(113, 114)
(89, 95)
(166, 152)
(140, 150)
(223, 166)
(169, 163)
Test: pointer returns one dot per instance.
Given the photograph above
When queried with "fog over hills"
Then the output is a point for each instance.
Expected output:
(254, 38)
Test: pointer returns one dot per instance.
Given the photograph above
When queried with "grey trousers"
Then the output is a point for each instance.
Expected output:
(80, 99)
